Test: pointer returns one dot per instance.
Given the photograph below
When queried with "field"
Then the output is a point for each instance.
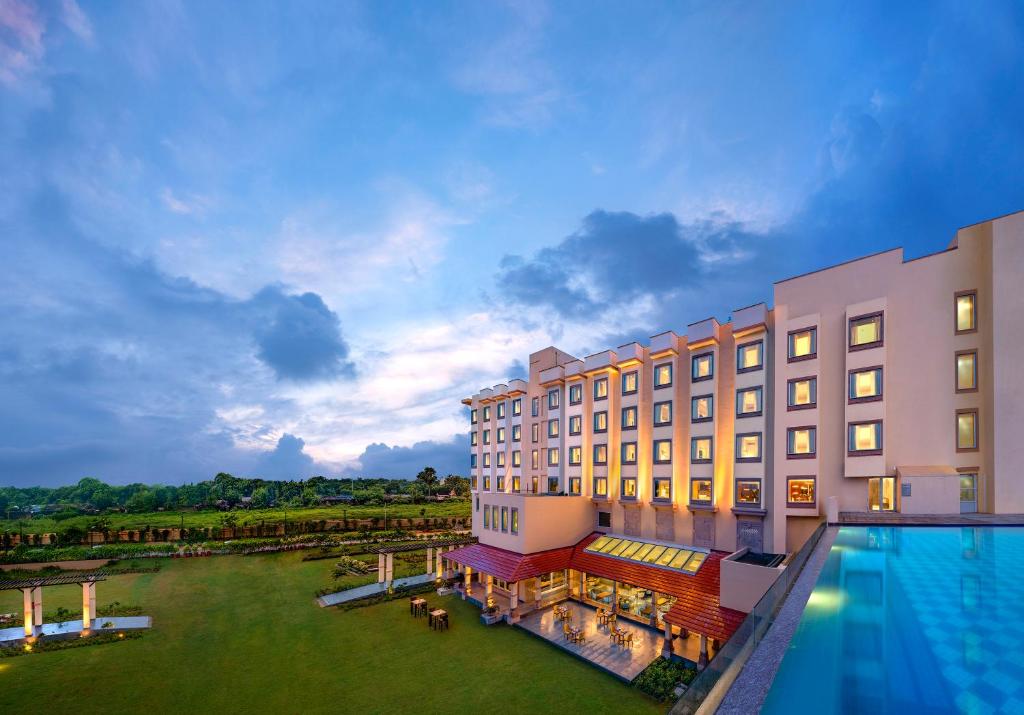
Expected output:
(212, 518)
(242, 634)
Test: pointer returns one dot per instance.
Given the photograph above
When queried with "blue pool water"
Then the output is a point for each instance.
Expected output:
(912, 621)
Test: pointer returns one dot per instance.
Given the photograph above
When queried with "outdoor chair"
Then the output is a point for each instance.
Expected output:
(565, 631)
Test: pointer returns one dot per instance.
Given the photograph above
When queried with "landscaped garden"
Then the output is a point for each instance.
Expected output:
(242, 634)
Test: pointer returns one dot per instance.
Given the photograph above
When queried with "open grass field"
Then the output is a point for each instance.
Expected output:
(167, 519)
(242, 635)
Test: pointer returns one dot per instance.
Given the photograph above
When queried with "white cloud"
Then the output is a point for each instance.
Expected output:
(76, 20)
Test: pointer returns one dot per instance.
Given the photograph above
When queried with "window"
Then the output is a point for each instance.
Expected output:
(749, 402)
(535, 431)
(472, 462)
(552, 428)
(600, 454)
(553, 399)
(662, 413)
(487, 482)
(865, 385)
(967, 430)
(882, 493)
(662, 375)
(501, 460)
(517, 406)
(965, 318)
(487, 413)
(501, 479)
(504, 518)
(604, 518)
(472, 417)
(629, 487)
(702, 408)
(803, 344)
(702, 367)
(601, 487)
(517, 433)
(515, 520)
(700, 450)
(501, 410)
(662, 451)
(576, 425)
(748, 493)
(601, 421)
(748, 447)
(628, 418)
(601, 389)
(487, 459)
(517, 458)
(575, 394)
(700, 491)
(800, 492)
(967, 371)
(494, 517)
(800, 442)
(575, 456)
(865, 331)
(865, 438)
(472, 439)
(629, 383)
(501, 435)
(575, 485)
(535, 459)
(552, 485)
(535, 406)
(802, 393)
(663, 488)
(552, 456)
(515, 483)
(629, 452)
(750, 356)
(487, 516)
(487, 436)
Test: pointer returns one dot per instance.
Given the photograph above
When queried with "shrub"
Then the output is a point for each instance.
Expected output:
(661, 677)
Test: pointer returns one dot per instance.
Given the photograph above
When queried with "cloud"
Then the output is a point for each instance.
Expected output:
(380, 460)
(76, 20)
(288, 460)
(21, 40)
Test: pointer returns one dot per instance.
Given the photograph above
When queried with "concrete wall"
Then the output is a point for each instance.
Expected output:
(931, 495)
(742, 585)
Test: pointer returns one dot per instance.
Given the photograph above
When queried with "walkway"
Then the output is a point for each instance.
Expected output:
(371, 589)
(9, 636)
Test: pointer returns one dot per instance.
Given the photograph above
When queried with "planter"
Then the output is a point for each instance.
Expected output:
(446, 591)
(489, 619)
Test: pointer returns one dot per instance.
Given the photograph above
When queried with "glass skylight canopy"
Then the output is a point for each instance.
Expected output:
(674, 558)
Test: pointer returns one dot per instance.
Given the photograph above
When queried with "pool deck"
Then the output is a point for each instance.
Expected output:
(888, 518)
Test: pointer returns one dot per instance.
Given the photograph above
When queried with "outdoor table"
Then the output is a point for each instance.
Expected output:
(435, 615)
(414, 605)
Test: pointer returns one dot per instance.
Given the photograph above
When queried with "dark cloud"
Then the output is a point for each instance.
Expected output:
(301, 337)
(288, 460)
(380, 460)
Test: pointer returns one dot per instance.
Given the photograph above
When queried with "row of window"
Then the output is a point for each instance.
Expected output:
(517, 409)
(509, 517)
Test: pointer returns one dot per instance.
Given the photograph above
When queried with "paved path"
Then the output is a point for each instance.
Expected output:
(119, 623)
(371, 589)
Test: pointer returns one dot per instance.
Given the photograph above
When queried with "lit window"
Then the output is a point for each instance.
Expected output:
(552, 485)
(494, 517)
(663, 375)
(535, 431)
(473, 486)
(517, 458)
(662, 413)
(748, 492)
(501, 479)
(575, 456)
(600, 454)
(702, 367)
(967, 371)
(803, 344)
(967, 431)
(662, 451)
(748, 402)
(487, 412)
(700, 449)
(487, 517)
(865, 437)
(472, 439)
(966, 318)
(552, 428)
(487, 459)
(601, 388)
(802, 393)
(748, 447)
(517, 406)
(628, 418)
(882, 493)
(700, 491)
(629, 452)
(472, 417)
(487, 436)
(702, 408)
(600, 486)
(629, 487)
(535, 459)
(515, 520)
(629, 383)
(501, 435)
(866, 384)
(800, 491)
(501, 410)
(535, 406)
(866, 331)
(800, 441)
(601, 421)
(552, 456)
(515, 483)
(575, 394)
(487, 481)
(576, 424)
(750, 356)
(501, 460)
(663, 488)
(517, 433)
(553, 400)
(575, 485)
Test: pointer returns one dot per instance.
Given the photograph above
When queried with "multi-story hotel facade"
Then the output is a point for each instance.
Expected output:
(880, 384)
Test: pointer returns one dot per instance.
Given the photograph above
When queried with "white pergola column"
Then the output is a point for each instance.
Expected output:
(92, 599)
(430, 559)
(489, 588)
(536, 593)
(439, 564)
(666, 647)
(389, 569)
(380, 568)
(37, 606)
(467, 576)
(27, 603)
(87, 614)
(702, 660)
(513, 601)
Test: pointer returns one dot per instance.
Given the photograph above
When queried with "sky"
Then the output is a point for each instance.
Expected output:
(285, 239)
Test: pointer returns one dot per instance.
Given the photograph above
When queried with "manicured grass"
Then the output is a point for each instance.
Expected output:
(242, 634)
(211, 518)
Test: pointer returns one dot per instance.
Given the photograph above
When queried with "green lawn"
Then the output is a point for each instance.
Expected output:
(242, 634)
(167, 519)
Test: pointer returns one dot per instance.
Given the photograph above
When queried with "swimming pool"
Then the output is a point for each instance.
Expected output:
(910, 620)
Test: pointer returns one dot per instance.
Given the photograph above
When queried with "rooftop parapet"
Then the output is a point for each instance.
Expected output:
(552, 375)
(750, 318)
(600, 361)
(667, 343)
(703, 332)
(630, 354)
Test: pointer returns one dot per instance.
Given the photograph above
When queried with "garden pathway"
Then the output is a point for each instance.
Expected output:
(118, 623)
(371, 589)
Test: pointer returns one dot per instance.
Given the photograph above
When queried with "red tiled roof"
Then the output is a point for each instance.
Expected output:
(697, 606)
(508, 565)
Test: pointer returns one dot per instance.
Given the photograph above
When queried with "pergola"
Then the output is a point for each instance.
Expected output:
(386, 555)
(32, 588)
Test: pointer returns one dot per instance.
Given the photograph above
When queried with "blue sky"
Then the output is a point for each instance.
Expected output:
(281, 239)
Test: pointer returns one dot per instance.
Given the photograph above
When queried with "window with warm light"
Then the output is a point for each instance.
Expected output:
(629, 418)
(662, 414)
(600, 421)
(748, 493)
(501, 410)
(748, 447)
(802, 393)
(487, 516)
(800, 491)
(700, 491)
(601, 389)
(865, 385)
(600, 454)
(517, 406)
(576, 425)
(517, 433)
(700, 450)
(750, 356)
(865, 331)
(553, 400)
(663, 375)
(601, 487)
(629, 487)
(663, 488)
(552, 428)
(553, 485)
(501, 478)
(517, 458)
(749, 402)
(487, 459)
(702, 408)
(967, 371)
(629, 452)
(535, 431)
(494, 517)
(501, 435)
(473, 484)
(966, 430)
(662, 451)
(487, 478)
(515, 520)
(472, 417)
(515, 483)
(966, 312)
(882, 493)
(575, 456)
(473, 439)
(702, 367)
(800, 442)
(487, 436)
(501, 459)
(575, 394)
(865, 437)
(575, 485)
(487, 413)
(553, 456)
(630, 381)
(803, 344)
(535, 459)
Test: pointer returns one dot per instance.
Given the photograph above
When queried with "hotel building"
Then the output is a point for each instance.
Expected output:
(880, 384)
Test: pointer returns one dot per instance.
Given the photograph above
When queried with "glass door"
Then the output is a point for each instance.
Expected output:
(882, 493)
(968, 493)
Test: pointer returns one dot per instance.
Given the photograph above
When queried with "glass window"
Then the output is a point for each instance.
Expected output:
(552, 485)
(629, 487)
(628, 418)
(575, 456)
(487, 459)
(865, 331)
(600, 454)
(515, 520)
(601, 421)
(472, 439)
(663, 375)
(629, 452)
(473, 486)
(967, 371)
(517, 433)
(472, 462)
(601, 486)
(599, 590)
(748, 447)
(601, 388)
(501, 410)
(576, 425)
(702, 367)
(866, 384)
(748, 401)
(662, 451)
(967, 430)
(700, 491)
(553, 400)
(472, 417)
(882, 493)
(575, 394)
(702, 408)
(800, 491)
(629, 383)
(501, 435)
(748, 492)
(552, 428)
(504, 518)
(535, 431)
(501, 460)
(494, 517)
(487, 517)
(700, 449)
(750, 356)
(574, 485)
(517, 406)
(552, 456)
(800, 441)
(515, 483)
(487, 436)
(535, 406)
(966, 314)
(662, 488)
(802, 392)
(865, 437)
(662, 413)
(517, 458)
(487, 413)
(535, 459)
(803, 344)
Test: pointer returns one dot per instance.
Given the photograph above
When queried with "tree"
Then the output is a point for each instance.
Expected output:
(428, 476)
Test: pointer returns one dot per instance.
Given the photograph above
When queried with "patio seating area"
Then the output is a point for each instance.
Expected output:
(437, 618)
